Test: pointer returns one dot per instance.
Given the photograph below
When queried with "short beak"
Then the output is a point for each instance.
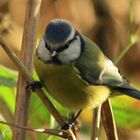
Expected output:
(53, 53)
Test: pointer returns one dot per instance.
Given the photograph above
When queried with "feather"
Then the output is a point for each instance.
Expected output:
(96, 69)
(129, 91)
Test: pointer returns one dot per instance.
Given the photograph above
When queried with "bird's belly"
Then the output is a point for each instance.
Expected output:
(68, 94)
(76, 98)
(68, 88)
(72, 92)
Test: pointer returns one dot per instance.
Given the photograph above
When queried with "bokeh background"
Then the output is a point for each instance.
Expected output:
(113, 25)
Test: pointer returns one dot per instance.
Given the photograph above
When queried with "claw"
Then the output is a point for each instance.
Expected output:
(72, 122)
(34, 85)
(66, 126)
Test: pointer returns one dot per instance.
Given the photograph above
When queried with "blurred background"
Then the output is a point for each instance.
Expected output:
(113, 25)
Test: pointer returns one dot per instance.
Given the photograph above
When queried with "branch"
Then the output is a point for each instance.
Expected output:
(71, 135)
(26, 55)
(96, 123)
(59, 133)
(131, 42)
(108, 121)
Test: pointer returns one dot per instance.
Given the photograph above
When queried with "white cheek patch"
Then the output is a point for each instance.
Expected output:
(72, 52)
(42, 52)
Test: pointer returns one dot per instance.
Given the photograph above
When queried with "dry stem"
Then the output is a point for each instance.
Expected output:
(96, 123)
(26, 55)
(59, 133)
(108, 121)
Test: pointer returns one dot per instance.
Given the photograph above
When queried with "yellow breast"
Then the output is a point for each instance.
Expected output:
(67, 87)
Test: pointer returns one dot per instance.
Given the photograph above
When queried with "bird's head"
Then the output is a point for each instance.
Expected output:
(61, 43)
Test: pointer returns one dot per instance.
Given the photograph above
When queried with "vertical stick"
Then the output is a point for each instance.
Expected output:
(28, 45)
(108, 121)
(96, 123)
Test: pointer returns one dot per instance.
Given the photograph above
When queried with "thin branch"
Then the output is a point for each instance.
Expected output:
(130, 44)
(108, 121)
(16, 60)
(96, 123)
(59, 133)
(71, 135)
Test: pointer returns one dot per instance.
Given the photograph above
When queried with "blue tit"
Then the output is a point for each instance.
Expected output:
(74, 69)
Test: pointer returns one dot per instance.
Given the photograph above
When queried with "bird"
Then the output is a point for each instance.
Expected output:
(75, 71)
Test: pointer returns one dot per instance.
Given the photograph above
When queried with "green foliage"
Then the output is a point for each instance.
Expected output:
(8, 80)
(5, 131)
(8, 96)
(7, 77)
(6, 72)
(126, 112)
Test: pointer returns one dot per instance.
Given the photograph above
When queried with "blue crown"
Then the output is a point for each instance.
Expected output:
(57, 31)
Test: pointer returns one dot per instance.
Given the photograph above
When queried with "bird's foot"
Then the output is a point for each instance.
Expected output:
(70, 124)
(66, 126)
(34, 85)
(72, 121)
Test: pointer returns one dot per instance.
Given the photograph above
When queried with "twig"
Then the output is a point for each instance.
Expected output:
(129, 45)
(26, 55)
(96, 123)
(71, 135)
(108, 119)
(59, 133)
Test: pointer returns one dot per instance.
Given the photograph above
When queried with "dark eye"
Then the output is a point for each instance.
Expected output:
(66, 45)
(47, 46)
(62, 48)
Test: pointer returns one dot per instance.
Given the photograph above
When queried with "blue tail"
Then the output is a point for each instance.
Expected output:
(130, 92)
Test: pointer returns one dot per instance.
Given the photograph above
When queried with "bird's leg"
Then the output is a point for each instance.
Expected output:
(34, 85)
(72, 121)
(76, 124)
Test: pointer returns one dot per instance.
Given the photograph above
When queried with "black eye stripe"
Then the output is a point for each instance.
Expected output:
(61, 48)
(66, 45)
(47, 45)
